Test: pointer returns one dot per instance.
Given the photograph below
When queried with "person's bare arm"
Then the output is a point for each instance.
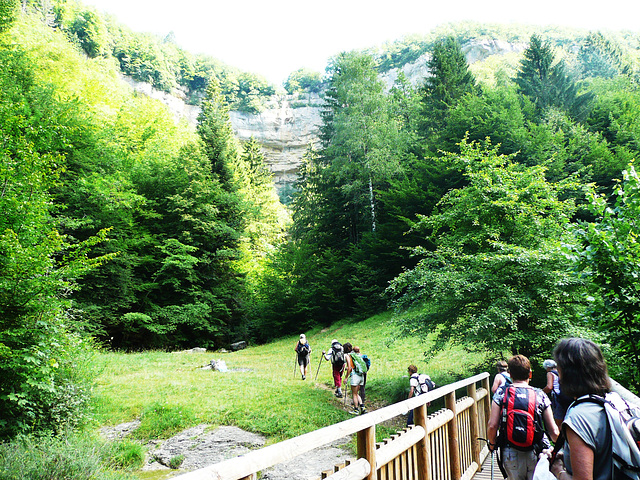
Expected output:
(497, 381)
(494, 424)
(549, 386)
(581, 459)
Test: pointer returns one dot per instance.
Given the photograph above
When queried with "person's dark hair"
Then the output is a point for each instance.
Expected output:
(519, 368)
(581, 367)
(501, 365)
(412, 369)
(347, 347)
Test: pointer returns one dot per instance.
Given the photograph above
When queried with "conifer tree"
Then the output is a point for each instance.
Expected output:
(450, 80)
(547, 83)
(214, 128)
(600, 57)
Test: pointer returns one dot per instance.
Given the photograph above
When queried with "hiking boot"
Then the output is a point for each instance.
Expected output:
(362, 410)
(355, 411)
(339, 394)
(304, 377)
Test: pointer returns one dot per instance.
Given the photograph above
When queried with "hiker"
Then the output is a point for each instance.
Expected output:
(559, 401)
(501, 377)
(519, 447)
(364, 382)
(354, 372)
(419, 383)
(588, 440)
(303, 351)
(335, 355)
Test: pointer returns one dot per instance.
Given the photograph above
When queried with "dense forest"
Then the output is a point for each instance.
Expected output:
(495, 206)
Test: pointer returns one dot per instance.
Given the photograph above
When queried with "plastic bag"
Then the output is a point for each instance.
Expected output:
(542, 471)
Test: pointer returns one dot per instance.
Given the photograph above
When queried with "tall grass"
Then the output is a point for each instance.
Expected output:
(262, 391)
(72, 456)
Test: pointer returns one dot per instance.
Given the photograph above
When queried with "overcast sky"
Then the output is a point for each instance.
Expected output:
(275, 37)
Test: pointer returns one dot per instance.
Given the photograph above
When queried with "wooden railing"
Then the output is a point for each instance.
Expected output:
(441, 446)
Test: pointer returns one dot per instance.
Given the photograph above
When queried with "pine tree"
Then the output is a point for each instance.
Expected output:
(450, 80)
(547, 83)
(600, 57)
(214, 128)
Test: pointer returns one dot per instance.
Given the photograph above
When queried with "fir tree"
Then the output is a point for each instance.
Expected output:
(450, 80)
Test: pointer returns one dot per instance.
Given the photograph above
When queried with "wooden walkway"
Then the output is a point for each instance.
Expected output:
(485, 472)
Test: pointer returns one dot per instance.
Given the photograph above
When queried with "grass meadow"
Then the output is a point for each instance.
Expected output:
(263, 392)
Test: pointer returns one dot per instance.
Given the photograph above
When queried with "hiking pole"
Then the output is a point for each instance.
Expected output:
(492, 454)
(295, 360)
(318, 371)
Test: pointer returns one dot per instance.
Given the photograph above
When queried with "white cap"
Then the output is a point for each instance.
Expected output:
(302, 337)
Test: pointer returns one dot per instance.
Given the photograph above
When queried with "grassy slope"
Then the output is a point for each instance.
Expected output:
(169, 392)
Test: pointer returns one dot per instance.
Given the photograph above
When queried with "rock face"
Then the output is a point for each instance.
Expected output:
(290, 124)
(284, 130)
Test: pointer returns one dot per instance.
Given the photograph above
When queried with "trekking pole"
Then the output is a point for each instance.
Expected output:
(295, 361)
(492, 455)
(318, 371)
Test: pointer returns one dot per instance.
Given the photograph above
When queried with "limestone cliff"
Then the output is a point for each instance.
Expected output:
(284, 132)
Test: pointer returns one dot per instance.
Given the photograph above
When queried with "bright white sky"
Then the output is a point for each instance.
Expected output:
(275, 37)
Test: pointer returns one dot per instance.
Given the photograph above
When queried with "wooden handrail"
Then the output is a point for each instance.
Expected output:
(247, 465)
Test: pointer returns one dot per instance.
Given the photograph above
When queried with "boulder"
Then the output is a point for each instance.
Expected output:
(238, 346)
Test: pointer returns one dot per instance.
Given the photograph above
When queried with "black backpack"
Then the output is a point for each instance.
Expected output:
(337, 355)
(521, 423)
(303, 349)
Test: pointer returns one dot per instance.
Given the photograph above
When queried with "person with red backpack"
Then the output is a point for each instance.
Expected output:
(519, 414)
(336, 356)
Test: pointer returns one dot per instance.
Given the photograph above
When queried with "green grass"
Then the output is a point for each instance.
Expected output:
(168, 392)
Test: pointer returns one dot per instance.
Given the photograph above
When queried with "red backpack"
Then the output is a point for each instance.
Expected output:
(521, 425)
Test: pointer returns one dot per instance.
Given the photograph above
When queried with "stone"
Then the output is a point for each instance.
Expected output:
(238, 346)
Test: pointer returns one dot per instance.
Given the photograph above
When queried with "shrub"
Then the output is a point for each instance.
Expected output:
(176, 461)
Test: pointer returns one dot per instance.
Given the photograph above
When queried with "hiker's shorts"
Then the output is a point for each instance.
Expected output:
(518, 465)
(303, 360)
(356, 379)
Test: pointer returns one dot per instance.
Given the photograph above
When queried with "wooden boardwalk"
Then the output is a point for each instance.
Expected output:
(485, 472)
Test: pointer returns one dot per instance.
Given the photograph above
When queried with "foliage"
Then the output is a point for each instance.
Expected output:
(91, 31)
(8, 13)
(303, 80)
(42, 386)
(73, 457)
(608, 256)
(497, 280)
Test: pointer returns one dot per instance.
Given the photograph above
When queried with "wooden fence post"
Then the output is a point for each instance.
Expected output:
(475, 430)
(422, 447)
(454, 451)
(487, 402)
(367, 449)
